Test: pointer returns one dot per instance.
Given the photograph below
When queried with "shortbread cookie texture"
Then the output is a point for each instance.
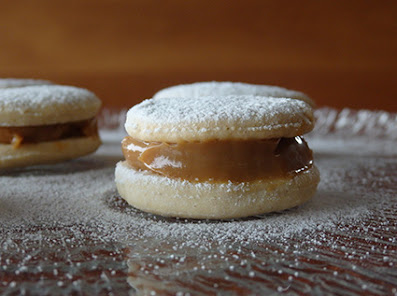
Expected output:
(47, 152)
(217, 158)
(212, 200)
(218, 118)
(18, 82)
(214, 88)
(46, 124)
(46, 104)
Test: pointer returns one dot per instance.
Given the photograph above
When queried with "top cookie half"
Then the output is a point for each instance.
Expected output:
(218, 118)
(45, 105)
(204, 89)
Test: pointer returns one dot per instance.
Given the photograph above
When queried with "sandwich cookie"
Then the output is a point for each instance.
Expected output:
(46, 124)
(204, 89)
(216, 158)
(16, 82)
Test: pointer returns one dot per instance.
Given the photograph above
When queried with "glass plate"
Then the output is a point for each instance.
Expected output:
(65, 230)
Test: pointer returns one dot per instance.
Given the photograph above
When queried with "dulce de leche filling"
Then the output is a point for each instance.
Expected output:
(44, 133)
(220, 161)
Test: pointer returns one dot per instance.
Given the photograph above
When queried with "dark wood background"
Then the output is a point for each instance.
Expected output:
(342, 53)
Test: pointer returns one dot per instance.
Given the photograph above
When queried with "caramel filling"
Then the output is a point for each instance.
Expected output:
(220, 161)
(44, 133)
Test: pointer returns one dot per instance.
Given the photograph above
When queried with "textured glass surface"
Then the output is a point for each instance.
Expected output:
(66, 231)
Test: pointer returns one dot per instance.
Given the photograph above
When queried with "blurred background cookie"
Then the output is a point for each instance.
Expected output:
(46, 124)
(214, 88)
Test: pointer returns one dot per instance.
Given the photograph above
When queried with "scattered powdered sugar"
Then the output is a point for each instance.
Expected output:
(65, 230)
(214, 88)
(18, 82)
(348, 122)
(82, 193)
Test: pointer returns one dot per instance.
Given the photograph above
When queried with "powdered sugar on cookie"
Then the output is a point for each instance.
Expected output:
(213, 88)
(46, 104)
(82, 192)
(229, 117)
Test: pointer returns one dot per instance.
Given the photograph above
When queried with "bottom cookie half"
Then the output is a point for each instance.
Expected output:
(47, 152)
(205, 200)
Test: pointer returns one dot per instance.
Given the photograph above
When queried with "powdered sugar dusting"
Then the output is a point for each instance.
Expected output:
(66, 231)
(214, 88)
(53, 103)
(234, 116)
(27, 98)
(17, 82)
(83, 192)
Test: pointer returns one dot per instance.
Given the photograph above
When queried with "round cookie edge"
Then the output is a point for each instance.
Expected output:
(195, 89)
(179, 198)
(47, 152)
(140, 124)
(25, 110)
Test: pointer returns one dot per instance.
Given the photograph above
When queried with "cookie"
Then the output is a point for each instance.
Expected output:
(17, 82)
(216, 158)
(203, 89)
(46, 124)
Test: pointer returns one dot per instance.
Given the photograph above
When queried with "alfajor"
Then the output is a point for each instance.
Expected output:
(217, 158)
(46, 124)
(214, 88)
(20, 82)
